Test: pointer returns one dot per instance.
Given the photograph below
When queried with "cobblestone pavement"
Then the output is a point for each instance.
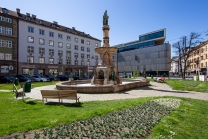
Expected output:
(155, 89)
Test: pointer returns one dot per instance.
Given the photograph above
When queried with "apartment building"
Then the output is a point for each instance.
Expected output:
(150, 55)
(8, 41)
(52, 49)
(197, 62)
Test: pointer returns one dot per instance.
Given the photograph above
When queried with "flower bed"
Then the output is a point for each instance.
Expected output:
(135, 122)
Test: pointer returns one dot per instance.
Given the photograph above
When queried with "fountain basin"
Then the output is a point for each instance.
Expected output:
(84, 86)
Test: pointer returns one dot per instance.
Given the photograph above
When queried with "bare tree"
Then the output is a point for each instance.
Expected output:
(182, 49)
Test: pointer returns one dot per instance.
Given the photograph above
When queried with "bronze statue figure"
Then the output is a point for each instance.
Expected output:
(105, 18)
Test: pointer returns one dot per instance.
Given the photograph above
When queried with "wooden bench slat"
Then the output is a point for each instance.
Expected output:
(59, 94)
(52, 94)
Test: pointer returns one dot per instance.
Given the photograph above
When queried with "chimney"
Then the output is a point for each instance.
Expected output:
(55, 22)
(18, 10)
(33, 16)
(28, 14)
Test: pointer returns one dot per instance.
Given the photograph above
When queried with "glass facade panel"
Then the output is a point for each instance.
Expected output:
(136, 46)
(152, 36)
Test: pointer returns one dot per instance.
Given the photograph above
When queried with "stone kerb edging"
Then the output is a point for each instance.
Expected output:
(101, 88)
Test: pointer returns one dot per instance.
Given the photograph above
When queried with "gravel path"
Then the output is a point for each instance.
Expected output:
(155, 89)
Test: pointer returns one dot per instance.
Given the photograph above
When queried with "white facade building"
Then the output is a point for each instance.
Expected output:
(49, 48)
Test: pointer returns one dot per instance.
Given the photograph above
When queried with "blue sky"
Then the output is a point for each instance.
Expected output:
(127, 18)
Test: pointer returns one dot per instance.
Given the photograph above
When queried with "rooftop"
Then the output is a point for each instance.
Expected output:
(33, 19)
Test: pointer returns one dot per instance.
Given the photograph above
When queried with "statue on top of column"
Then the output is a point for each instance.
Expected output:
(105, 18)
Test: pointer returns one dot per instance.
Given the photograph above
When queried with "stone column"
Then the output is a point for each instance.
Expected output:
(106, 29)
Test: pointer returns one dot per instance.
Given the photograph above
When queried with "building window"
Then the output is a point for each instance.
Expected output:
(31, 29)
(41, 22)
(76, 55)
(82, 48)
(82, 62)
(60, 61)
(88, 56)
(8, 56)
(41, 41)
(5, 11)
(9, 20)
(75, 62)
(41, 60)
(30, 39)
(76, 40)
(96, 57)
(1, 43)
(68, 62)
(51, 43)
(27, 18)
(88, 49)
(88, 42)
(60, 44)
(30, 59)
(42, 51)
(9, 44)
(9, 31)
(96, 44)
(4, 69)
(60, 53)
(82, 55)
(1, 18)
(41, 32)
(60, 36)
(68, 38)
(51, 52)
(68, 54)
(68, 46)
(96, 63)
(82, 41)
(51, 34)
(1, 56)
(76, 47)
(30, 49)
(51, 61)
(2, 29)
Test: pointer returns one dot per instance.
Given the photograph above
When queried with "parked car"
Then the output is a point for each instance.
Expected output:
(6, 79)
(52, 78)
(39, 78)
(63, 77)
(30, 77)
(48, 80)
(76, 77)
(22, 78)
(121, 75)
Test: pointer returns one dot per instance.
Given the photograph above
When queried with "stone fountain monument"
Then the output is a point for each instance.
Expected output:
(106, 72)
(106, 78)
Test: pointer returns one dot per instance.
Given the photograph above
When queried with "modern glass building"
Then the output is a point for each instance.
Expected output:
(150, 55)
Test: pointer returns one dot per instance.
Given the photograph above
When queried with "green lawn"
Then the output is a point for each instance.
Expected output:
(186, 85)
(187, 121)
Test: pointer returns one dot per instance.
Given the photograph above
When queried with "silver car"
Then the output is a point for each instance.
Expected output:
(38, 78)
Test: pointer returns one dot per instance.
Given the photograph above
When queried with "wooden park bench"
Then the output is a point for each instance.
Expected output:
(59, 94)
(52, 94)
(68, 94)
(18, 92)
